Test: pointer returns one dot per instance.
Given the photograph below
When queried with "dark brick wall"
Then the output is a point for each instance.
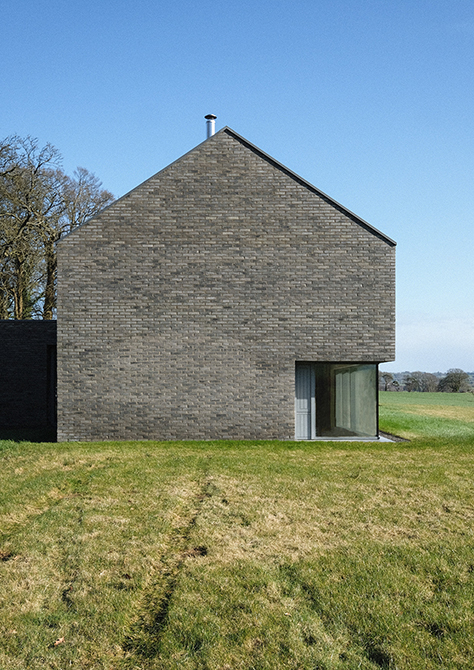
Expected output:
(184, 305)
(27, 374)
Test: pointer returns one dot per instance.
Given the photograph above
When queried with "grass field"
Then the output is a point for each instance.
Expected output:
(264, 555)
(437, 416)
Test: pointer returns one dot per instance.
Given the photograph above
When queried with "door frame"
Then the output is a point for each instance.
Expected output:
(311, 397)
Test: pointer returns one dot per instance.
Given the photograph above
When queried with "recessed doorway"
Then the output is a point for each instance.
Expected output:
(335, 400)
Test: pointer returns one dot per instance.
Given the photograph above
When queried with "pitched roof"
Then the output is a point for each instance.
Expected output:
(276, 164)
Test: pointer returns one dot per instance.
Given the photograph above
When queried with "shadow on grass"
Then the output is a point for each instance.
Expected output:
(28, 434)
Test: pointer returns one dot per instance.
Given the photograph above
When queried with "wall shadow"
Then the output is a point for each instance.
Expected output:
(28, 434)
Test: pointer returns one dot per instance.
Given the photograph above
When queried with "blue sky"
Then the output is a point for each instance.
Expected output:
(370, 100)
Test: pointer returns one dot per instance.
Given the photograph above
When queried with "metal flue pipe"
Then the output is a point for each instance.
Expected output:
(211, 124)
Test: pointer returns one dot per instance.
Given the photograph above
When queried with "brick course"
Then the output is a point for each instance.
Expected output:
(184, 305)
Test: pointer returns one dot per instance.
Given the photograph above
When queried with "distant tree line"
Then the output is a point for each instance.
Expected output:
(39, 204)
(455, 381)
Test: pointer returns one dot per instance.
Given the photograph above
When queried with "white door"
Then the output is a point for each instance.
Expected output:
(305, 404)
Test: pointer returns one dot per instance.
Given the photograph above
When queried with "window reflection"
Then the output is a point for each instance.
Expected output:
(341, 400)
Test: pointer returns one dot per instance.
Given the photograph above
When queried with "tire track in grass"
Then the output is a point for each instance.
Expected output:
(72, 561)
(144, 638)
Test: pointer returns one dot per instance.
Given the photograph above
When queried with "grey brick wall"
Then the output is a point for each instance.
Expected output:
(185, 304)
(26, 383)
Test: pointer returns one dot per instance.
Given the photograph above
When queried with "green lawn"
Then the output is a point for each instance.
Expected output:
(404, 398)
(444, 418)
(250, 555)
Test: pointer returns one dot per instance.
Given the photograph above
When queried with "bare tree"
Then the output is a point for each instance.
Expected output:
(7, 155)
(81, 197)
(412, 381)
(430, 382)
(25, 201)
(20, 278)
(422, 382)
(39, 204)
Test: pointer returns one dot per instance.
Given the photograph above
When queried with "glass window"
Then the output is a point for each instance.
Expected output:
(342, 400)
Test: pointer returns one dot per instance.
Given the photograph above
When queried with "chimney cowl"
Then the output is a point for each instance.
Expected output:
(211, 124)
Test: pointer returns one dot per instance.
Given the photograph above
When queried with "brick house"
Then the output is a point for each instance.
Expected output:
(225, 297)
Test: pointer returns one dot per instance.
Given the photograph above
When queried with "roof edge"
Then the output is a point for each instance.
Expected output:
(354, 217)
(293, 175)
(145, 181)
